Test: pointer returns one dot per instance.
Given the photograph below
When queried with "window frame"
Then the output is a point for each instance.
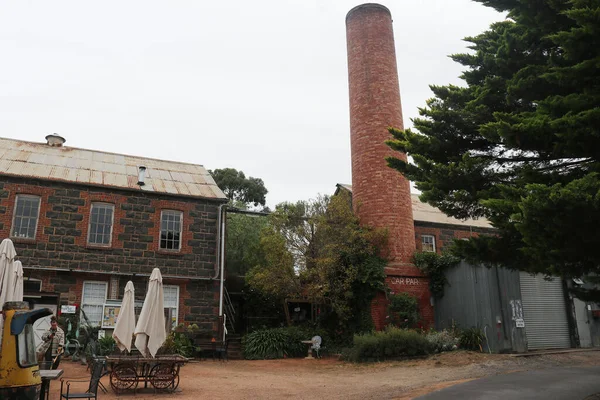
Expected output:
(432, 243)
(105, 283)
(14, 216)
(112, 224)
(160, 230)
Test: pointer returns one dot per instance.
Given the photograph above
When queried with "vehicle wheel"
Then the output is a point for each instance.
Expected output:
(162, 377)
(123, 377)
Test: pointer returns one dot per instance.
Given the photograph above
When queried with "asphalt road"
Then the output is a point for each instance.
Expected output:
(565, 383)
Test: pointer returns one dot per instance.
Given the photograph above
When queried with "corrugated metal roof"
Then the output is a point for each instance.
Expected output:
(424, 212)
(69, 164)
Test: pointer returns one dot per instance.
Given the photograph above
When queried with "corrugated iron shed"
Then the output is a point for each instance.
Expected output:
(97, 168)
(424, 212)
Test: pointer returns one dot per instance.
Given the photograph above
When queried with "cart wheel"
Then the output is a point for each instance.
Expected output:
(175, 383)
(123, 377)
(162, 377)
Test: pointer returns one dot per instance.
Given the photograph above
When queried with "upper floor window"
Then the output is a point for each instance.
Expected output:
(170, 229)
(428, 243)
(27, 210)
(101, 223)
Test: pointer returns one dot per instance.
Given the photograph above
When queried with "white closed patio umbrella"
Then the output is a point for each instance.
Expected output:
(17, 294)
(125, 325)
(7, 276)
(150, 331)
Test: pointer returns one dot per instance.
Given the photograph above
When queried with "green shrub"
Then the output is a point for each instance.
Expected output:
(106, 345)
(471, 339)
(403, 310)
(442, 341)
(279, 342)
(178, 343)
(393, 343)
(265, 344)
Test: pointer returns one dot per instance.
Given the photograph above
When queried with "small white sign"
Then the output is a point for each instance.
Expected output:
(520, 323)
(101, 333)
(68, 309)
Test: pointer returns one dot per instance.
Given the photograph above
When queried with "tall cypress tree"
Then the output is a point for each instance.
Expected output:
(520, 143)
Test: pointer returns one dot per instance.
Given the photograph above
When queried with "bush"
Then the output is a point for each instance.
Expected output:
(393, 343)
(279, 342)
(403, 310)
(178, 343)
(471, 339)
(442, 341)
(265, 344)
(106, 346)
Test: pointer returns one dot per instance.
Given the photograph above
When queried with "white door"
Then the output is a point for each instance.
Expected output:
(545, 313)
(42, 325)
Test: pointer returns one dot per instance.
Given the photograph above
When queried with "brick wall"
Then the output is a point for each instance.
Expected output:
(61, 242)
(445, 234)
(416, 284)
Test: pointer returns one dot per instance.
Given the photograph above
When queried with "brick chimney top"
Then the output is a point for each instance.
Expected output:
(365, 6)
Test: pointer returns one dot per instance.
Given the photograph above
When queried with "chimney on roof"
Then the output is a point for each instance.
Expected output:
(55, 140)
(141, 175)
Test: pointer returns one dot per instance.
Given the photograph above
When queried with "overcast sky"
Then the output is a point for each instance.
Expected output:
(260, 86)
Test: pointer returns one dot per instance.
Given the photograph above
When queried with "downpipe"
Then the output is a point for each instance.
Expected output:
(222, 218)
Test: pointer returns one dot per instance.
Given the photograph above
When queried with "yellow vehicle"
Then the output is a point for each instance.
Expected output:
(19, 370)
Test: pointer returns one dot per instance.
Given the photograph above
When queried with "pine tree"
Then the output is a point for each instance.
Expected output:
(520, 143)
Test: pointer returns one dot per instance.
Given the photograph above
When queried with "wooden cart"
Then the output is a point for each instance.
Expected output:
(162, 372)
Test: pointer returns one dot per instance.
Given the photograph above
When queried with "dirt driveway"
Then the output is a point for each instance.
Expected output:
(333, 379)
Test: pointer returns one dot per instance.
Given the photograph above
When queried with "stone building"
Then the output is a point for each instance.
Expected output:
(85, 222)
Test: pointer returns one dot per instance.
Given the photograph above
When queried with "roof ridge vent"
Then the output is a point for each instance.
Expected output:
(55, 140)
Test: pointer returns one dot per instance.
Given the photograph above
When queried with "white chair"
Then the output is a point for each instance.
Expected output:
(316, 346)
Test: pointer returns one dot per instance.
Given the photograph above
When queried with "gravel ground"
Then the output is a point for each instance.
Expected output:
(333, 379)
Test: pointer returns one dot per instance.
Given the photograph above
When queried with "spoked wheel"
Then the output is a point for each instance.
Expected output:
(163, 377)
(123, 377)
(175, 382)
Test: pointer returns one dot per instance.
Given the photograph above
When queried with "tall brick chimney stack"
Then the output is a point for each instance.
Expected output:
(380, 194)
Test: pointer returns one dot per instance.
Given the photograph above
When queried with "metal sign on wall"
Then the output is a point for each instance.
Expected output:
(68, 309)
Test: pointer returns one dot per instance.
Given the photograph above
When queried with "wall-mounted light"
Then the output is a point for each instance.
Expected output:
(141, 175)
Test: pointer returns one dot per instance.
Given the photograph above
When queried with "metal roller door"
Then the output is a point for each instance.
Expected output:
(544, 312)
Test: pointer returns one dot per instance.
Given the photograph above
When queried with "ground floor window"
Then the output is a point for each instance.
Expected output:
(171, 302)
(93, 299)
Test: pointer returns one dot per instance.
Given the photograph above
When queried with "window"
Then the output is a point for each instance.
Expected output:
(428, 243)
(31, 285)
(27, 209)
(26, 347)
(92, 301)
(101, 223)
(170, 230)
(171, 302)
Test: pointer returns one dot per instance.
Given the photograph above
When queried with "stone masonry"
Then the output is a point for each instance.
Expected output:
(63, 259)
